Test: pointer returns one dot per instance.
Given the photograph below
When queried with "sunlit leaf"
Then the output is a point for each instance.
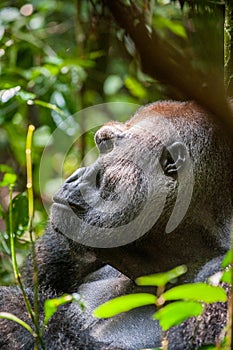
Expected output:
(227, 276)
(135, 87)
(8, 179)
(96, 54)
(112, 84)
(52, 69)
(177, 312)
(123, 303)
(228, 259)
(7, 94)
(25, 96)
(9, 14)
(55, 60)
(51, 305)
(196, 291)
(161, 279)
(176, 27)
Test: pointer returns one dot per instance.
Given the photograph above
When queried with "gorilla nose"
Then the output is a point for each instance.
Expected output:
(76, 175)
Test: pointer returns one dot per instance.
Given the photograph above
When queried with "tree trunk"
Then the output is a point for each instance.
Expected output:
(228, 47)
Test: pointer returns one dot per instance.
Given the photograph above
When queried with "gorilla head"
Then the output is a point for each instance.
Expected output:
(149, 201)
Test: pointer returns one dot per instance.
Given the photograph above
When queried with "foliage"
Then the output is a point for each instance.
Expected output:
(227, 265)
(57, 58)
(185, 300)
(51, 305)
(192, 297)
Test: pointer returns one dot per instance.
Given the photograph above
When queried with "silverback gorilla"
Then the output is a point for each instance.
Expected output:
(159, 195)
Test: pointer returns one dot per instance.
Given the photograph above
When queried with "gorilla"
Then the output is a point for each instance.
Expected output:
(159, 195)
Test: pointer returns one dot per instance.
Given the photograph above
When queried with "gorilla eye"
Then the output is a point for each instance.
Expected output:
(104, 145)
(173, 158)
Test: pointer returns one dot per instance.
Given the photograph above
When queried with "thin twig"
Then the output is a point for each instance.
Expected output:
(39, 338)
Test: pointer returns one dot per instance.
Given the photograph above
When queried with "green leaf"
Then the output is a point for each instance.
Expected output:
(123, 303)
(177, 312)
(227, 276)
(112, 84)
(9, 14)
(25, 96)
(7, 94)
(20, 213)
(196, 291)
(228, 259)
(174, 26)
(8, 179)
(161, 279)
(6, 169)
(51, 305)
(55, 60)
(135, 87)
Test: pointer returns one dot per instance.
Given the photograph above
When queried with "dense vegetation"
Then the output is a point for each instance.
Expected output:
(60, 57)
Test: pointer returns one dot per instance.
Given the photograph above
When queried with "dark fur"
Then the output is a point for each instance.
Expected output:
(200, 241)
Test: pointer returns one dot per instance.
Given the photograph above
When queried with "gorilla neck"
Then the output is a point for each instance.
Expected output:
(190, 244)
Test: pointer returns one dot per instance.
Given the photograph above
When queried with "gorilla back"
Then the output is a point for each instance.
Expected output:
(159, 195)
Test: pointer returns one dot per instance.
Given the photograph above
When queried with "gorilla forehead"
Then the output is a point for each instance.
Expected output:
(168, 121)
(169, 109)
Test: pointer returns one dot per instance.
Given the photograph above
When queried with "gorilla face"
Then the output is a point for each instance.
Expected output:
(121, 196)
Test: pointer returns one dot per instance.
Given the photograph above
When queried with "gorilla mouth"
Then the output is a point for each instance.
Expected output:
(108, 219)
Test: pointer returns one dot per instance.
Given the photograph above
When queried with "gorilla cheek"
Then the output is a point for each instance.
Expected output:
(97, 209)
(106, 200)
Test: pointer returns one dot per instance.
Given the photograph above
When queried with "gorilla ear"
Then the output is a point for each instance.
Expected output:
(173, 158)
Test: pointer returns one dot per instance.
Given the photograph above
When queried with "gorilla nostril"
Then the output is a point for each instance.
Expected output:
(76, 175)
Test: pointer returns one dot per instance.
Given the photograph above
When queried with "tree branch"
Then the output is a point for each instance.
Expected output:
(161, 61)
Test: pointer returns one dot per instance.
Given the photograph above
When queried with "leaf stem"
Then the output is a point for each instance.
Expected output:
(14, 318)
(39, 338)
